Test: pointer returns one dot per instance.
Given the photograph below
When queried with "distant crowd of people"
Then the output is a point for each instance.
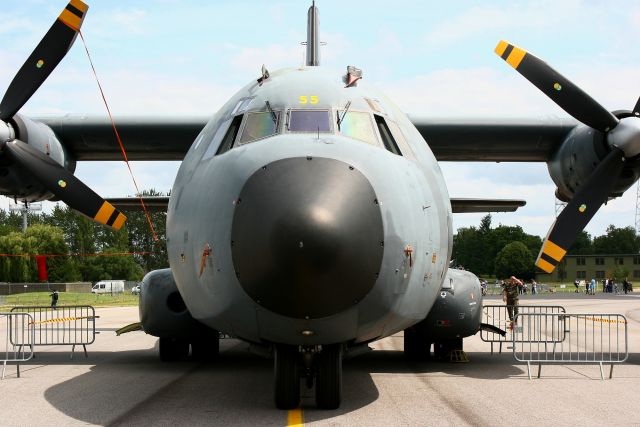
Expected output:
(609, 285)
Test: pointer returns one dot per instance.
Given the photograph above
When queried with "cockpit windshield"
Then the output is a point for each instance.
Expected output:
(357, 125)
(260, 125)
(309, 121)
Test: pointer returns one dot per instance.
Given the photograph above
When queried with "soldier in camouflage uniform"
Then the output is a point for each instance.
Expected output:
(510, 293)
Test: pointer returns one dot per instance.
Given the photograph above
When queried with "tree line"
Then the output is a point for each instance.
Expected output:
(506, 250)
(85, 249)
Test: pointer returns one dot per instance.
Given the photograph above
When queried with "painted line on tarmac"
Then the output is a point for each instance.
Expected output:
(294, 417)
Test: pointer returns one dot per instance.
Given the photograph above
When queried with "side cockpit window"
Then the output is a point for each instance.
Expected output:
(224, 137)
(308, 121)
(357, 125)
(386, 135)
(259, 125)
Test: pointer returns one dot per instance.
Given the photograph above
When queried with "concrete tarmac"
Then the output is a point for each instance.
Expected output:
(122, 382)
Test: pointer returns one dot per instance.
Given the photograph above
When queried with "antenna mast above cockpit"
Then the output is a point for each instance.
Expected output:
(313, 43)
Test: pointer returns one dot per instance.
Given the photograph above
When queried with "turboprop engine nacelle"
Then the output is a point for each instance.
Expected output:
(15, 181)
(578, 156)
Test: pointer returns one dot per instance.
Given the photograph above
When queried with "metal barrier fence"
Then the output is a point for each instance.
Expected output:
(498, 316)
(16, 325)
(64, 325)
(570, 338)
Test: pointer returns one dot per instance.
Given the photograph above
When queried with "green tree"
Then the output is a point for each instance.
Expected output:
(617, 241)
(141, 239)
(514, 259)
(49, 240)
(583, 245)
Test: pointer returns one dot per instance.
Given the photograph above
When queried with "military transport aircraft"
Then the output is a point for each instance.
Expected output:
(309, 216)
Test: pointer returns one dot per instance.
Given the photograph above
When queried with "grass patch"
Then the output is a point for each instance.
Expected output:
(68, 298)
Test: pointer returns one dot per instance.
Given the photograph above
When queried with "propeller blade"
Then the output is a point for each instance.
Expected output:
(577, 214)
(45, 57)
(561, 90)
(64, 184)
(636, 109)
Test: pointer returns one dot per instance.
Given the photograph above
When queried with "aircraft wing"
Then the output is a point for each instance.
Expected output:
(144, 138)
(169, 138)
(459, 205)
(490, 140)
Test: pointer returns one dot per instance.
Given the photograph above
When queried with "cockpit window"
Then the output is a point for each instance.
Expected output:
(260, 125)
(309, 121)
(387, 138)
(357, 125)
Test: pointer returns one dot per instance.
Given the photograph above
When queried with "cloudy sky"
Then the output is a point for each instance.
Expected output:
(181, 58)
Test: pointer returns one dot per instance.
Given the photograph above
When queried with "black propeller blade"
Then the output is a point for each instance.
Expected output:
(577, 214)
(46, 56)
(561, 90)
(63, 184)
(623, 142)
(55, 178)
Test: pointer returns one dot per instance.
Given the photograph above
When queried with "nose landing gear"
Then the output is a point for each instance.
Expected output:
(319, 364)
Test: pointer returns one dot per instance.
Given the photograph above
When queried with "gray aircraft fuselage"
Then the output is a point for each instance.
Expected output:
(303, 231)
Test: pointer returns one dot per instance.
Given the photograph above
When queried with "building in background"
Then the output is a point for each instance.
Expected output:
(587, 267)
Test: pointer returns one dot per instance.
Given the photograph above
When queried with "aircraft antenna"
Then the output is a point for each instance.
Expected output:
(313, 43)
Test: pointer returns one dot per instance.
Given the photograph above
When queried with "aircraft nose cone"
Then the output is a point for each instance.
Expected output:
(307, 237)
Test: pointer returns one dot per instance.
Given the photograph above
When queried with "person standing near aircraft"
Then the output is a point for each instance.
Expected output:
(54, 299)
(510, 295)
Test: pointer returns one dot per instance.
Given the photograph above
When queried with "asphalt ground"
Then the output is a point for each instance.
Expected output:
(122, 382)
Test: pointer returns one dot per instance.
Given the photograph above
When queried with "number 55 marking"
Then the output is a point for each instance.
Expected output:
(304, 99)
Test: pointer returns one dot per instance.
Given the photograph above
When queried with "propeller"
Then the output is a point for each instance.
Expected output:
(55, 178)
(622, 136)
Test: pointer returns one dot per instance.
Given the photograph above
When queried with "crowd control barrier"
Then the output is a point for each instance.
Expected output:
(16, 325)
(570, 339)
(498, 316)
(64, 325)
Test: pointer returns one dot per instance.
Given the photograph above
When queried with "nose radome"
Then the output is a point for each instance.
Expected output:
(307, 237)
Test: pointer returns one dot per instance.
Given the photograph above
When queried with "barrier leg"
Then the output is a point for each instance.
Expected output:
(492, 348)
(611, 372)
(529, 369)
(85, 351)
(18, 370)
(539, 369)
(601, 372)
(4, 366)
(73, 349)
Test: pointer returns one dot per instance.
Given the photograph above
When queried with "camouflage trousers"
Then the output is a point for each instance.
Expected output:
(512, 308)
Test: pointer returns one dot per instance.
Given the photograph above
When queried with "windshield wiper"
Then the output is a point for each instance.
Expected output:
(346, 109)
(273, 114)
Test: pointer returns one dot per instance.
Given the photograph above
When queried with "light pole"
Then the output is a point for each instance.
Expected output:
(25, 208)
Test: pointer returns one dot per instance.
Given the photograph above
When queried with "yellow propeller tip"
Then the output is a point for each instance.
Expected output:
(501, 47)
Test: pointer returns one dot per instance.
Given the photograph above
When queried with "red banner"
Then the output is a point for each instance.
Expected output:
(41, 260)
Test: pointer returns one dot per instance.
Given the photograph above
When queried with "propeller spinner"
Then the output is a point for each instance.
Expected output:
(622, 136)
(55, 178)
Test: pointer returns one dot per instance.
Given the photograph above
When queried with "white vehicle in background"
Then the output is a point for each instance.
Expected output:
(108, 287)
(135, 290)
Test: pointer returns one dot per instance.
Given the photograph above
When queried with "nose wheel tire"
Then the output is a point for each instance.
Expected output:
(329, 377)
(287, 377)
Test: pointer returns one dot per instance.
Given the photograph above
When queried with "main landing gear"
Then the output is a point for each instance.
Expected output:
(203, 348)
(322, 364)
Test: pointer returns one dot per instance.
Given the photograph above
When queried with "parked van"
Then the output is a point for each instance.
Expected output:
(108, 287)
